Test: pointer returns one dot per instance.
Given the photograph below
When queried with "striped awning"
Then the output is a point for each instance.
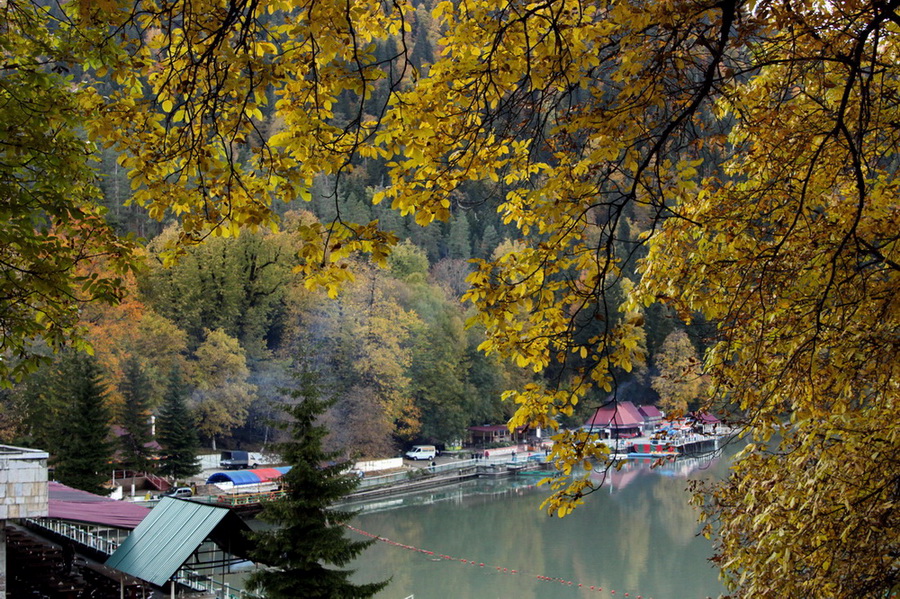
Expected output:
(248, 477)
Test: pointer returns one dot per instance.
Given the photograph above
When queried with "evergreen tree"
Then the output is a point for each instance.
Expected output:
(459, 244)
(489, 241)
(82, 449)
(135, 391)
(40, 405)
(427, 238)
(177, 434)
(307, 534)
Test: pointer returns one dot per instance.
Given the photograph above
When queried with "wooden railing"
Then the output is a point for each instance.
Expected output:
(159, 483)
(243, 499)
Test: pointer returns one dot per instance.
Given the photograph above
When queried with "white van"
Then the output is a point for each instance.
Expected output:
(422, 452)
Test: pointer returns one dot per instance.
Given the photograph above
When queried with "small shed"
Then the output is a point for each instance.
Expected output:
(177, 534)
(706, 423)
(488, 434)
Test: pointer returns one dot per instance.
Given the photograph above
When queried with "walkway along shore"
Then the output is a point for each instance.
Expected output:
(510, 463)
(409, 481)
(507, 461)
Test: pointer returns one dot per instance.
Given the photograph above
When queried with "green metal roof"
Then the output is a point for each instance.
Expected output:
(172, 531)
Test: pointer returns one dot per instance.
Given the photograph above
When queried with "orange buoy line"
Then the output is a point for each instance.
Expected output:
(500, 569)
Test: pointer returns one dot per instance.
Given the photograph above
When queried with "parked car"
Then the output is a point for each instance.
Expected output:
(179, 492)
(422, 452)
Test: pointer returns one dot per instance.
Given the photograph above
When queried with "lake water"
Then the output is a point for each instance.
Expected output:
(637, 535)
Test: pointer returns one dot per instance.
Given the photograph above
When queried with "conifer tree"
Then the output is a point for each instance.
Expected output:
(307, 534)
(459, 243)
(83, 451)
(135, 391)
(177, 434)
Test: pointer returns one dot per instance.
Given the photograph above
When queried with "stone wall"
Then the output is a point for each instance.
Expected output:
(24, 492)
(379, 465)
(23, 483)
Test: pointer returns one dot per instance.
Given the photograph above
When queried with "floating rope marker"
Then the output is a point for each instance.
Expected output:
(437, 557)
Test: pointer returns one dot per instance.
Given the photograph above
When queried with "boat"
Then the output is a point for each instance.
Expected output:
(652, 450)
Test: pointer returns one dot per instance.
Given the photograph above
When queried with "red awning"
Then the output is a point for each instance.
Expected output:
(267, 474)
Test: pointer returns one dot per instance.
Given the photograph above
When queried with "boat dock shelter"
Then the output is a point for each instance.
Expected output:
(173, 539)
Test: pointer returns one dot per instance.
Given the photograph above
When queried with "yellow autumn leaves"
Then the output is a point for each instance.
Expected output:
(736, 162)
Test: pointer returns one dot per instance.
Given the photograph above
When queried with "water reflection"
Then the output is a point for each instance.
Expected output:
(637, 534)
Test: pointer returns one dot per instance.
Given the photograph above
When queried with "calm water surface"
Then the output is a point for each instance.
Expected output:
(636, 536)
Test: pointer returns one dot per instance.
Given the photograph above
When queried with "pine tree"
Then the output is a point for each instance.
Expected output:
(135, 391)
(307, 534)
(83, 450)
(177, 434)
(490, 239)
(459, 244)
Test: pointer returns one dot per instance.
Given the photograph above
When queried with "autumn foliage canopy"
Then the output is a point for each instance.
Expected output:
(736, 161)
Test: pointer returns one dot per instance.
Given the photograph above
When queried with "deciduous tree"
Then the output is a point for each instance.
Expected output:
(163, 349)
(52, 228)
(112, 331)
(366, 341)
(759, 140)
(222, 392)
(680, 382)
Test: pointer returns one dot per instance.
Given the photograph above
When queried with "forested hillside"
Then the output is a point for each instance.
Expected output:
(231, 313)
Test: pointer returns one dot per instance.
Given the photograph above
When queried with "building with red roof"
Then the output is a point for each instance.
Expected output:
(488, 434)
(619, 419)
(652, 416)
(706, 423)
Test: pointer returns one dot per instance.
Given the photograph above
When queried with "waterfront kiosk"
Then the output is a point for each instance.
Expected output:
(182, 542)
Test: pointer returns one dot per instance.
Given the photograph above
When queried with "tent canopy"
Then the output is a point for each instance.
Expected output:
(248, 477)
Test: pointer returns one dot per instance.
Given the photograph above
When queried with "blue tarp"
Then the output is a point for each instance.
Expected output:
(248, 477)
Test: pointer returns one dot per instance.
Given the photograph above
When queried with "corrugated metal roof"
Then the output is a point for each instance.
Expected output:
(67, 503)
(248, 477)
(650, 412)
(622, 414)
(169, 535)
